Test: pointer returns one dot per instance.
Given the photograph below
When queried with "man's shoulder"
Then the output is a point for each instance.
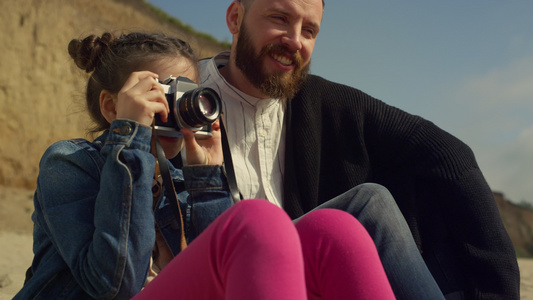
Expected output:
(324, 90)
(220, 58)
(320, 83)
(204, 62)
(203, 66)
(316, 79)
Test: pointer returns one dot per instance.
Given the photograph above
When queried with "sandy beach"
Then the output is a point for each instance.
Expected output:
(16, 254)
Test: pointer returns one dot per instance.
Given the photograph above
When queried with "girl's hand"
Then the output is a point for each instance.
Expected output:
(206, 151)
(141, 97)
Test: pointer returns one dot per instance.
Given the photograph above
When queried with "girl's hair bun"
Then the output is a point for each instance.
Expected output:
(87, 52)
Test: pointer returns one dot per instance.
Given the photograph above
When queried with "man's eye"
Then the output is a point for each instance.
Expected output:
(278, 18)
(310, 33)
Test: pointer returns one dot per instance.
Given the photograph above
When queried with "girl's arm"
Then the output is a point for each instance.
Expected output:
(98, 209)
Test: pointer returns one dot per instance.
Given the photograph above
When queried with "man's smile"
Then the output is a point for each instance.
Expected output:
(286, 61)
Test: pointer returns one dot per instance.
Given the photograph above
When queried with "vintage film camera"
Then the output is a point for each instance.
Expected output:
(190, 106)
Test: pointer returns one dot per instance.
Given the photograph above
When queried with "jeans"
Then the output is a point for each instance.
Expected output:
(376, 209)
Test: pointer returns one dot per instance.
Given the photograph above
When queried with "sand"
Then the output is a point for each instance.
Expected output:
(16, 254)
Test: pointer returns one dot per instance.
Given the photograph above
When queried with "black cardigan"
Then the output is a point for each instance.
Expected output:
(339, 137)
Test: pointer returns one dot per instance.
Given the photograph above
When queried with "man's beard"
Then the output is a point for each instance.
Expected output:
(278, 85)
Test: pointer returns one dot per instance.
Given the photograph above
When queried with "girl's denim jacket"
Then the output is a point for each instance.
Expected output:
(94, 219)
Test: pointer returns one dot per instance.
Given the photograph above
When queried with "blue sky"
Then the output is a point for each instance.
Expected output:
(465, 65)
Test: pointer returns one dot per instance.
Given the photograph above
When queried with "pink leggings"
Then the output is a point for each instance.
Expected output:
(254, 251)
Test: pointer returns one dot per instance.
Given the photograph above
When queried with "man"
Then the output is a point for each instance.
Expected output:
(299, 140)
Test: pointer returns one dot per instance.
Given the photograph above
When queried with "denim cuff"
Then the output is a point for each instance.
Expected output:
(131, 134)
(204, 177)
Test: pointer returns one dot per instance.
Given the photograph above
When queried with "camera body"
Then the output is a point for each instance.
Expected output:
(190, 107)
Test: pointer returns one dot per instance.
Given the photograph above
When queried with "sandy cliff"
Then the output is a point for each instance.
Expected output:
(41, 93)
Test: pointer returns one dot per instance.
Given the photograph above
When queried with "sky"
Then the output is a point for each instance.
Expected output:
(467, 66)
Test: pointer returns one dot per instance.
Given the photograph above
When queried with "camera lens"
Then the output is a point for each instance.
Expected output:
(206, 106)
(198, 107)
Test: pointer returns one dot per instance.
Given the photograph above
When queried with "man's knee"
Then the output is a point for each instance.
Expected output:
(366, 197)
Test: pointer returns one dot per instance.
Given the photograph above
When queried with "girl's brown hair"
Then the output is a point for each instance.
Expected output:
(111, 59)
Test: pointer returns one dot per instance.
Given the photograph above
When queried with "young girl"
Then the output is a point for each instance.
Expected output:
(97, 235)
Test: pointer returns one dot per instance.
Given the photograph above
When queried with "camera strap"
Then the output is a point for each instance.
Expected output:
(228, 164)
(162, 171)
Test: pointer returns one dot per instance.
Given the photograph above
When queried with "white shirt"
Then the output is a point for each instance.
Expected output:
(256, 134)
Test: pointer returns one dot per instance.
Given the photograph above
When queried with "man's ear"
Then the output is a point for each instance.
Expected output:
(234, 16)
(107, 105)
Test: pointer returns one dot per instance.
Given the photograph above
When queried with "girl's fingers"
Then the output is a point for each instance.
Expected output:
(195, 154)
(204, 151)
(141, 98)
(215, 129)
(157, 96)
(136, 77)
(155, 93)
